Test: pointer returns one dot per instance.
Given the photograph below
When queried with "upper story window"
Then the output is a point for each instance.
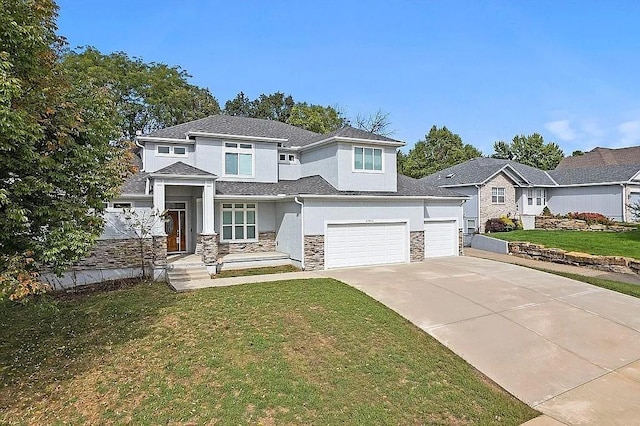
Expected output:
(497, 195)
(171, 151)
(239, 222)
(367, 159)
(287, 158)
(536, 196)
(238, 159)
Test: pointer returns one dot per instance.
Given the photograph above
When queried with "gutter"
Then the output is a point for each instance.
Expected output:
(624, 204)
(302, 229)
(142, 148)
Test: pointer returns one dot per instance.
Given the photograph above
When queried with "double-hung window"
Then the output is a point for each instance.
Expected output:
(536, 195)
(238, 159)
(171, 151)
(497, 195)
(239, 222)
(367, 159)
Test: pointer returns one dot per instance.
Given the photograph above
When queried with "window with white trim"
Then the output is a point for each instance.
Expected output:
(367, 159)
(471, 226)
(239, 222)
(171, 151)
(238, 159)
(537, 196)
(497, 195)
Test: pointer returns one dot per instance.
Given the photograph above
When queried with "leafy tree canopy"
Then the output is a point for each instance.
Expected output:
(57, 166)
(148, 96)
(316, 118)
(530, 150)
(440, 149)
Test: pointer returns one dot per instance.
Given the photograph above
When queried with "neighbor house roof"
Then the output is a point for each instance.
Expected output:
(602, 157)
(260, 128)
(599, 174)
(479, 170)
(316, 185)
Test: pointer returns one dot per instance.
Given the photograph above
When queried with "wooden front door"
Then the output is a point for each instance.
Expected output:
(175, 227)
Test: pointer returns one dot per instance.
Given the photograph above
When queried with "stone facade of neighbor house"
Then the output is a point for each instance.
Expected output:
(488, 209)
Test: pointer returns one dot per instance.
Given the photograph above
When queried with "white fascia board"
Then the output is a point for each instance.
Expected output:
(591, 184)
(384, 197)
(236, 137)
(253, 197)
(132, 196)
(458, 185)
(351, 140)
(165, 140)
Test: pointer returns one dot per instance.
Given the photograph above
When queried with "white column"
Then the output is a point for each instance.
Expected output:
(208, 209)
(158, 205)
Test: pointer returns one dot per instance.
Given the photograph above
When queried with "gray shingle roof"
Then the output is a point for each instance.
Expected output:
(256, 127)
(602, 157)
(352, 132)
(480, 169)
(135, 184)
(316, 185)
(180, 168)
(599, 174)
(233, 125)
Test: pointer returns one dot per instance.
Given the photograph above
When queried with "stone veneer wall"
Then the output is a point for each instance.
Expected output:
(313, 252)
(489, 210)
(416, 247)
(266, 242)
(543, 222)
(159, 251)
(460, 242)
(625, 265)
(209, 248)
(116, 253)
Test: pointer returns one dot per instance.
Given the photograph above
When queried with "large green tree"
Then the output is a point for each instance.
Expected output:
(57, 165)
(440, 149)
(316, 118)
(148, 96)
(531, 150)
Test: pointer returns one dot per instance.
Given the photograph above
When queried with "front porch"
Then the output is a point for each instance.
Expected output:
(232, 261)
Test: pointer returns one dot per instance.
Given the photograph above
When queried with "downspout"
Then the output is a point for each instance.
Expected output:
(295, 199)
(624, 204)
(142, 150)
(478, 203)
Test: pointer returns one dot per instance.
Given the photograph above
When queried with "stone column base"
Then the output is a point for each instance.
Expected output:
(209, 248)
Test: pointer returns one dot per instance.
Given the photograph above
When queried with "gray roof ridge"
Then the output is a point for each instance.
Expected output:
(185, 165)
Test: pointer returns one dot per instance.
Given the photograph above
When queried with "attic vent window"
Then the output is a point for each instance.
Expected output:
(450, 175)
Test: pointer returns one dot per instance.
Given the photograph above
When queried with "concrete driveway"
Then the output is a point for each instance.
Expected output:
(568, 349)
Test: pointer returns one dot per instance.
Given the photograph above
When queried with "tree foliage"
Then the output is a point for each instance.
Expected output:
(440, 149)
(316, 118)
(148, 96)
(57, 166)
(530, 150)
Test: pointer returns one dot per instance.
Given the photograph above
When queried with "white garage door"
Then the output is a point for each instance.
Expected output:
(360, 244)
(440, 239)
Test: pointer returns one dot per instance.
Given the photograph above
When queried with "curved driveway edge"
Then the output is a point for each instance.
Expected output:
(569, 349)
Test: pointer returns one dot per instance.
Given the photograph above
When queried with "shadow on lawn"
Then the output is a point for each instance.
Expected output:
(51, 342)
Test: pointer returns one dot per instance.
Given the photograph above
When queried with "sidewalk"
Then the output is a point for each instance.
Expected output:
(550, 266)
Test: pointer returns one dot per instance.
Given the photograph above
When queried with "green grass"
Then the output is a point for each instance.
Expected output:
(256, 271)
(288, 352)
(599, 243)
(620, 287)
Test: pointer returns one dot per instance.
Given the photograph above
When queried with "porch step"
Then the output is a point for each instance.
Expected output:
(185, 273)
(253, 260)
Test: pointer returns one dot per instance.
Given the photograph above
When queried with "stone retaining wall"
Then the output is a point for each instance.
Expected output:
(624, 265)
(543, 222)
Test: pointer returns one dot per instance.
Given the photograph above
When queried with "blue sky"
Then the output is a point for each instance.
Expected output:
(487, 70)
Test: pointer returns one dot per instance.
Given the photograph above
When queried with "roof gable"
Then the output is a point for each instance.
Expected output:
(181, 169)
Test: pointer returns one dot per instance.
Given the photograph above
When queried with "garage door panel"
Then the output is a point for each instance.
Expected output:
(365, 244)
(440, 239)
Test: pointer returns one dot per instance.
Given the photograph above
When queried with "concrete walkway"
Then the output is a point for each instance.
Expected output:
(558, 267)
(568, 349)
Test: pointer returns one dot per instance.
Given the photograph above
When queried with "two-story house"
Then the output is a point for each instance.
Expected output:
(242, 185)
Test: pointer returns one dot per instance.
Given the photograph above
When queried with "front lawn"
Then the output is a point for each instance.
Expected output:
(288, 352)
(600, 243)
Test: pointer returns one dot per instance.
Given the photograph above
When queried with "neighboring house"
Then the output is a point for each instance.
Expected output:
(242, 185)
(602, 157)
(506, 188)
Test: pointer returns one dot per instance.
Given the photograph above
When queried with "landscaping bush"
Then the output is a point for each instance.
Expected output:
(591, 218)
(546, 212)
(502, 224)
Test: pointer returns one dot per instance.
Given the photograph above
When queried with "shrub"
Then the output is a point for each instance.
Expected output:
(591, 218)
(546, 212)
